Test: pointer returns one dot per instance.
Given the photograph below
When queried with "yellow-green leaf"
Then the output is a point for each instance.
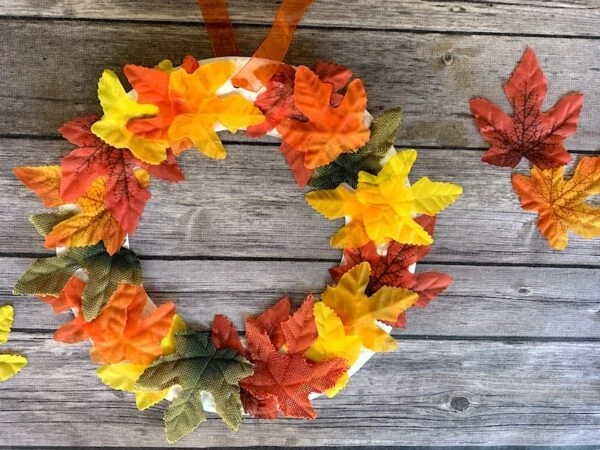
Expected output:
(10, 365)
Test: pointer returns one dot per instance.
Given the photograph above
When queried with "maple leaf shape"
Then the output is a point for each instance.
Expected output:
(360, 312)
(199, 109)
(119, 109)
(561, 203)
(346, 167)
(152, 86)
(530, 133)
(393, 269)
(290, 379)
(277, 101)
(48, 276)
(224, 335)
(90, 224)
(332, 342)
(123, 376)
(125, 195)
(122, 332)
(330, 131)
(10, 365)
(382, 207)
(197, 366)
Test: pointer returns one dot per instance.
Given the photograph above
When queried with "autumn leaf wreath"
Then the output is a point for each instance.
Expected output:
(331, 143)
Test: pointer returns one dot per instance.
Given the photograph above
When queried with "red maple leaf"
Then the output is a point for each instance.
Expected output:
(283, 378)
(393, 269)
(125, 196)
(529, 132)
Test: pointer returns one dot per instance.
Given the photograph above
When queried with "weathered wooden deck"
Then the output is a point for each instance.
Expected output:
(510, 354)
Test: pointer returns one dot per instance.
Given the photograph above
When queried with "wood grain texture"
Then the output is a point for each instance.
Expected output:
(483, 301)
(248, 206)
(516, 393)
(571, 18)
(398, 69)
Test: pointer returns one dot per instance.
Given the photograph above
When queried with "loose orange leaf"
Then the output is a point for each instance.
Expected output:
(330, 131)
(561, 204)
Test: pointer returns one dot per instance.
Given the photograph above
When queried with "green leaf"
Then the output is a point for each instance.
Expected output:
(367, 159)
(44, 222)
(198, 366)
(48, 276)
(105, 273)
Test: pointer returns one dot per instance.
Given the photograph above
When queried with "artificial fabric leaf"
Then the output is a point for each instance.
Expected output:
(332, 342)
(48, 276)
(44, 181)
(393, 268)
(123, 376)
(300, 330)
(200, 109)
(93, 223)
(123, 332)
(119, 109)
(360, 313)
(295, 160)
(224, 335)
(346, 167)
(152, 86)
(270, 321)
(10, 365)
(45, 222)
(197, 366)
(330, 131)
(561, 204)
(383, 205)
(529, 132)
(289, 379)
(125, 194)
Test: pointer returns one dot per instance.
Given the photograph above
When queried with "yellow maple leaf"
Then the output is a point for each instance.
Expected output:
(561, 203)
(332, 342)
(360, 313)
(119, 109)
(10, 365)
(123, 376)
(92, 224)
(383, 206)
(200, 109)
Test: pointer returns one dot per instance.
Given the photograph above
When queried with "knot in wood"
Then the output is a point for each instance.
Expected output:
(459, 403)
(448, 58)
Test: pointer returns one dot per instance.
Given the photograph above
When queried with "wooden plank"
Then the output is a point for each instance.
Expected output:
(248, 206)
(573, 18)
(398, 69)
(483, 301)
(429, 392)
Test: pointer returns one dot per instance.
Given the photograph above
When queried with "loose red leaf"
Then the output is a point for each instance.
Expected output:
(529, 132)
(224, 335)
(393, 268)
(125, 195)
(295, 160)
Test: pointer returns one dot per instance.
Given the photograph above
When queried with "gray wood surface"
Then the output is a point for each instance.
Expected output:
(510, 354)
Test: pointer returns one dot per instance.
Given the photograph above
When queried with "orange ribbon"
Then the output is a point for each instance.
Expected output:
(219, 27)
(260, 68)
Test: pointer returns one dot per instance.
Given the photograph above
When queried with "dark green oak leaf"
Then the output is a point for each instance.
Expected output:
(197, 366)
(48, 276)
(367, 159)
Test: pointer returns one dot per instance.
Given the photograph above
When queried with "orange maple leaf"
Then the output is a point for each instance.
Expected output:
(123, 332)
(330, 131)
(561, 203)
